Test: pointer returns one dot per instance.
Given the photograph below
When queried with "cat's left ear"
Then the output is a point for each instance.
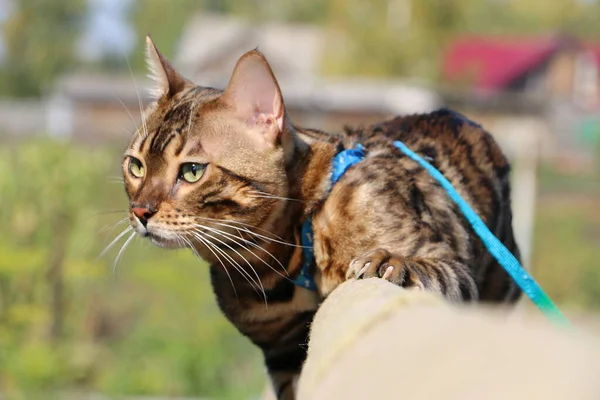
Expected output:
(254, 93)
(167, 79)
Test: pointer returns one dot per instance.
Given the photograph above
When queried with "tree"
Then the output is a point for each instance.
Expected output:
(164, 21)
(39, 41)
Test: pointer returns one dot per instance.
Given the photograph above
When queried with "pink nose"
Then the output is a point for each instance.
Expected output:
(143, 214)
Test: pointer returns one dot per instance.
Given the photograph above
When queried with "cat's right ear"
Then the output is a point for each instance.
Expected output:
(167, 80)
(254, 93)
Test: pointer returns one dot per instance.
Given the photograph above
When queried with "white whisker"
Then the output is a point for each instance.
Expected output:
(227, 223)
(144, 127)
(236, 239)
(209, 247)
(259, 235)
(129, 239)
(242, 224)
(128, 113)
(236, 265)
(257, 281)
(271, 196)
(103, 213)
(111, 228)
(115, 240)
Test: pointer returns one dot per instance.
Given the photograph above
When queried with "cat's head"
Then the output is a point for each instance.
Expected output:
(205, 157)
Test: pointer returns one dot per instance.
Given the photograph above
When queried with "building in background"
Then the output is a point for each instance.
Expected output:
(544, 87)
(551, 84)
(208, 50)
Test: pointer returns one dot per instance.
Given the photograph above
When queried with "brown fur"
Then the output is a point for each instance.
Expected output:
(264, 177)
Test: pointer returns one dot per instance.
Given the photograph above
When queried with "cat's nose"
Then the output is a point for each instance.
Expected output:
(143, 214)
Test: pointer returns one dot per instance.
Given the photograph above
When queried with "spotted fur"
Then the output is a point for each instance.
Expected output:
(263, 176)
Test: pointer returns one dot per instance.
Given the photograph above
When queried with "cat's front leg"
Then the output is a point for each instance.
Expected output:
(284, 384)
(285, 353)
(449, 278)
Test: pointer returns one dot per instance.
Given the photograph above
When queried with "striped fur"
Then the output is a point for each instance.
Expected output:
(244, 214)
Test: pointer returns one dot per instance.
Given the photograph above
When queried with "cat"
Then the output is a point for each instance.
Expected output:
(227, 174)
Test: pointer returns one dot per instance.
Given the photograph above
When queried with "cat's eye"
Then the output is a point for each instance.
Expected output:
(191, 172)
(135, 167)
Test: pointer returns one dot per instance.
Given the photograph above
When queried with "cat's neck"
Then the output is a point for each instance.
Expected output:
(308, 167)
(308, 163)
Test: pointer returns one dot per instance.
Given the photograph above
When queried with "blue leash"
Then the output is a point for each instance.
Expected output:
(522, 278)
(341, 162)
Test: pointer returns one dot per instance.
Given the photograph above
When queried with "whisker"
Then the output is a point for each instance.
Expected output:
(110, 229)
(121, 251)
(115, 179)
(96, 214)
(235, 239)
(207, 245)
(239, 254)
(246, 261)
(227, 257)
(178, 240)
(115, 240)
(260, 236)
(236, 265)
(144, 127)
(128, 113)
(243, 224)
(271, 196)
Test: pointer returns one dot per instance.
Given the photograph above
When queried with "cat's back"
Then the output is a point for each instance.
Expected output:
(469, 157)
(460, 148)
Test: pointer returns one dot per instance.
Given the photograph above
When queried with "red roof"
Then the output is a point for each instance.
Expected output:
(594, 48)
(493, 63)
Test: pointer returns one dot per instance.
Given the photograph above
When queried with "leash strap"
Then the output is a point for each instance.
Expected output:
(504, 257)
(341, 162)
(522, 278)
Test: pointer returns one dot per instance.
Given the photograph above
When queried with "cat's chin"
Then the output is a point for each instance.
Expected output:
(165, 243)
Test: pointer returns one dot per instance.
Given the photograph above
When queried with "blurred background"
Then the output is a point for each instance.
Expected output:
(72, 81)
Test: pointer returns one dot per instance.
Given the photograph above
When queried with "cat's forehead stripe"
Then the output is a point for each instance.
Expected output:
(177, 122)
(174, 123)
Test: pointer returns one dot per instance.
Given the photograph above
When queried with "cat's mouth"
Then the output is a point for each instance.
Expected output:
(159, 237)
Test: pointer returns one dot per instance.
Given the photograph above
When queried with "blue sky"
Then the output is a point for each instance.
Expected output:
(107, 30)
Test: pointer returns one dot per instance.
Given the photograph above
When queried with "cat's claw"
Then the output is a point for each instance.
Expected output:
(388, 272)
(381, 263)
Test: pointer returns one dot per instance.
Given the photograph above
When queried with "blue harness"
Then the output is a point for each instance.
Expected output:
(523, 279)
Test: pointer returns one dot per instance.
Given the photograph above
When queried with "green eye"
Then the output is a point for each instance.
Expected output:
(135, 167)
(191, 172)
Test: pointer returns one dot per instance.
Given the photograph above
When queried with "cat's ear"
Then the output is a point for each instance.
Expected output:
(254, 93)
(168, 82)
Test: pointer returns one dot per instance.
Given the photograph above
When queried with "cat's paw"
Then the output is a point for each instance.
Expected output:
(381, 263)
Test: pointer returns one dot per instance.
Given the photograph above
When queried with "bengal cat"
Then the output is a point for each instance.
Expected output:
(229, 175)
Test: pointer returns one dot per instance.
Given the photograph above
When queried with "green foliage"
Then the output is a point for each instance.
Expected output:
(150, 328)
(39, 39)
(376, 38)
(567, 239)
(164, 22)
(408, 37)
